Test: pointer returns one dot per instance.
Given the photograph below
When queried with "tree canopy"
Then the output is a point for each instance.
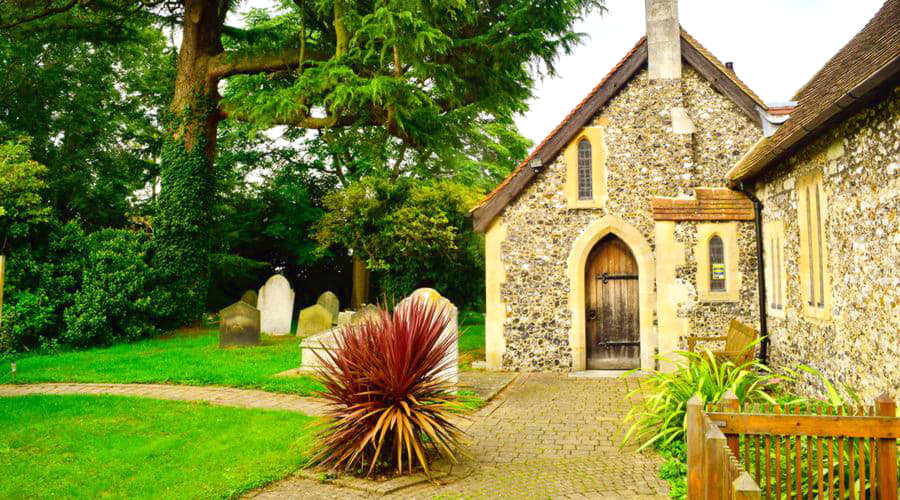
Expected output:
(238, 141)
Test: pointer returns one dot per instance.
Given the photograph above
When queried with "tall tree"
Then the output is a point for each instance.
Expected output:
(423, 70)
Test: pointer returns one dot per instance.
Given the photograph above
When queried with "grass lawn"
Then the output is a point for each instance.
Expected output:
(194, 358)
(186, 358)
(113, 446)
(471, 337)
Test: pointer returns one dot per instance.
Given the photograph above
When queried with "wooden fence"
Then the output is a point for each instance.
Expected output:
(794, 452)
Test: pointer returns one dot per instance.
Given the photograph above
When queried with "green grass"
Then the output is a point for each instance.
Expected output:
(471, 337)
(190, 359)
(121, 447)
(194, 358)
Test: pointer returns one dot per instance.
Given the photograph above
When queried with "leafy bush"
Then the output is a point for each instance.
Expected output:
(674, 468)
(660, 417)
(387, 397)
(118, 299)
(41, 281)
(29, 313)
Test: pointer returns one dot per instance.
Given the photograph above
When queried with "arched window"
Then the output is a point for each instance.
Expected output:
(716, 264)
(585, 184)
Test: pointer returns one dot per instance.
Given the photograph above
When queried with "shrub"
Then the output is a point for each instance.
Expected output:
(659, 419)
(42, 279)
(29, 313)
(118, 299)
(389, 403)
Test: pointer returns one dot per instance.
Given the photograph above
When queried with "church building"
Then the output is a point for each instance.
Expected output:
(635, 223)
(618, 235)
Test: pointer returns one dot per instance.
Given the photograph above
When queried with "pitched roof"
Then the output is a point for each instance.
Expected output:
(723, 79)
(866, 65)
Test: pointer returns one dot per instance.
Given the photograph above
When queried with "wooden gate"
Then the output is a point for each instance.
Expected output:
(611, 297)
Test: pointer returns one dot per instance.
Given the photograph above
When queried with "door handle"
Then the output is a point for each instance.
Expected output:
(592, 314)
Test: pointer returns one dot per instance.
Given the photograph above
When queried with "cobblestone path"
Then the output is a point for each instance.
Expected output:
(224, 396)
(546, 436)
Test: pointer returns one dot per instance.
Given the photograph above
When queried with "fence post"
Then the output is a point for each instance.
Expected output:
(714, 460)
(887, 452)
(695, 447)
(730, 404)
(744, 488)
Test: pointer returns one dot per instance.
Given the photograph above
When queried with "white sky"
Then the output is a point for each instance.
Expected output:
(776, 46)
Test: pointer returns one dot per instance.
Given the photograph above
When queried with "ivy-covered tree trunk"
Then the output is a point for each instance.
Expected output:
(186, 169)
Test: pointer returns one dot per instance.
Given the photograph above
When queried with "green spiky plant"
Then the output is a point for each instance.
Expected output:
(389, 402)
(659, 417)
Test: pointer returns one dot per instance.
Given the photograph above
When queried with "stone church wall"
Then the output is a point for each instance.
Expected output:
(860, 344)
(645, 159)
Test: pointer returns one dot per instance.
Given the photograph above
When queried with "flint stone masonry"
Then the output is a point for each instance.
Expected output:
(250, 297)
(239, 325)
(646, 159)
(276, 306)
(313, 319)
(860, 344)
(329, 301)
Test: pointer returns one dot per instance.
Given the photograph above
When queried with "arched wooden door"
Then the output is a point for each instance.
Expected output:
(612, 317)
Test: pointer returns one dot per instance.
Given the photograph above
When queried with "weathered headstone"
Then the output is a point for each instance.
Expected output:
(344, 317)
(276, 306)
(429, 296)
(329, 301)
(250, 297)
(313, 319)
(239, 325)
(315, 348)
(364, 314)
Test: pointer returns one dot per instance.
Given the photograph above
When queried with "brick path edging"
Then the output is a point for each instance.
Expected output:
(223, 396)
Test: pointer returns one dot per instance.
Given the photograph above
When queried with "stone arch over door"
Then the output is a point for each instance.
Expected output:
(575, 266)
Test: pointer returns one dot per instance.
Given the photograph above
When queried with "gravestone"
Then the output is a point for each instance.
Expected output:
(315, 348)
(239, 325)
(313, 319)
(329, 301)
(276, 306)
(429, 296)
(364, 314)
(250, 297)
(344, 317)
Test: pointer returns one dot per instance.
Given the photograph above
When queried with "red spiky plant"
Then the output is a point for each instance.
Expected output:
(389, 405)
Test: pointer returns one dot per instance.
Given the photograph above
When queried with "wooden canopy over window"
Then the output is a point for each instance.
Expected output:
(708, 204)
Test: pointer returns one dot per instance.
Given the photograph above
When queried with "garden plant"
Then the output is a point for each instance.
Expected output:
(389, 401)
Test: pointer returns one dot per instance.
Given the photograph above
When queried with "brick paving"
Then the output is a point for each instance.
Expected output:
(223, 396)
(546, 436)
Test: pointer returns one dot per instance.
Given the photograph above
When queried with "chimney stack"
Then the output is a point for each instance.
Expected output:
(663, 39)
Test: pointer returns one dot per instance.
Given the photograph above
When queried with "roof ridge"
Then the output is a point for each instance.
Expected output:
(825, 65)
(729, 73)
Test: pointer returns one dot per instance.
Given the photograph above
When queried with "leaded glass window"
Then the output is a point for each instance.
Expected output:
(716, 264)
(585, 184)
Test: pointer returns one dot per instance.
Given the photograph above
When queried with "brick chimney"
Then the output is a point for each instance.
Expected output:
(663, 39)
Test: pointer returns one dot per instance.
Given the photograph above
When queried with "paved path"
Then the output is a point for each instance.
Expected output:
(546, 436)
(224, 396)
